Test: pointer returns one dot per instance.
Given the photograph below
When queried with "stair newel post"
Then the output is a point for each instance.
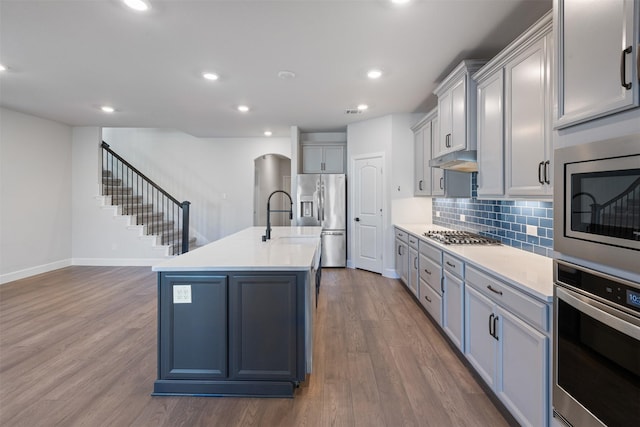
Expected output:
(185, 226)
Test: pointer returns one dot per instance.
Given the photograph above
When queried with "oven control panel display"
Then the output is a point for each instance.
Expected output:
(633, 298)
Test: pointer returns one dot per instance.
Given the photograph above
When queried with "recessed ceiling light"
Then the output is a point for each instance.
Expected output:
(362, 107)
(210, 76)
(374, 74)
(243, 108)
(400, 1)
(3, 68)
(139, 5)
(107, 109)
(267, 133)
(286, 75)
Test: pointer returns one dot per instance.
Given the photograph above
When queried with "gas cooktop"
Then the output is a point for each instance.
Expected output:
(460, 238)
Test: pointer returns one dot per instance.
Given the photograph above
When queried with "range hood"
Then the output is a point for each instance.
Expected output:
(461, 161)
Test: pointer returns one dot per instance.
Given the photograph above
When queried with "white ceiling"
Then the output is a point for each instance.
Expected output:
(67, 58)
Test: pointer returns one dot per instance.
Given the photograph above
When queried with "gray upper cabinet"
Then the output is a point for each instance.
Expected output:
(491, 135)
(457, 109)
(597, 54)
(514, 118)
(423, 133)
(325, 158)
(528, 146)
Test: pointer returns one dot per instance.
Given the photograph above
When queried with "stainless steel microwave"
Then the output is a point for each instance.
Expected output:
(597, 202)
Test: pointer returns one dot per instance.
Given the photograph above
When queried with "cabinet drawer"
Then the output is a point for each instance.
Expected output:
(431, 301)
(430, 272)
(453, 265)
(413, 241)
(401, 235)
(532, 311)
(431, 252)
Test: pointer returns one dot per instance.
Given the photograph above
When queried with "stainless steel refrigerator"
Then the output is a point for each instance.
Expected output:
(322, 201)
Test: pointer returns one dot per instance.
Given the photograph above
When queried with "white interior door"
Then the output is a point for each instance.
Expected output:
(367, 214)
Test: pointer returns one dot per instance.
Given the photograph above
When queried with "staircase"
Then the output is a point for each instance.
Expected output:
(146, 204)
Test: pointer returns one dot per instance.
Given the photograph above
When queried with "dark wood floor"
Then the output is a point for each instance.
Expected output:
(78, 347)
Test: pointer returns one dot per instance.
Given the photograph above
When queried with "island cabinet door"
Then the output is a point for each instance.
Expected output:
(193, 326)
(264, 327)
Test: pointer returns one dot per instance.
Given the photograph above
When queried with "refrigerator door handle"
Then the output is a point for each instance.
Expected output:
(322, 202)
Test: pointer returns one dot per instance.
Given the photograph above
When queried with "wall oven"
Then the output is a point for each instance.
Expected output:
(596, 348)
(597, 202)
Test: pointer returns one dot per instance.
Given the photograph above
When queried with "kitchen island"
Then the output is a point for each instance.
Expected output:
(235, 317)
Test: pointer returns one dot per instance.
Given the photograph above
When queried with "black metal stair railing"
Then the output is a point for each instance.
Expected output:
(162, 214)
(619, 217)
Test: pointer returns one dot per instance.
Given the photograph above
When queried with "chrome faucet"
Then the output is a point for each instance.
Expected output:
(267, 235)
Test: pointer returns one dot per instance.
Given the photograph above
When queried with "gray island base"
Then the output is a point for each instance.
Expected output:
(238, 327)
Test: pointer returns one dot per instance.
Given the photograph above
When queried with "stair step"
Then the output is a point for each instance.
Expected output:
(106, 173)
(111, 181)
(109, 190)
(176, 247)
(159, 227)
(137, 209)
(125, 199)
(143, 218)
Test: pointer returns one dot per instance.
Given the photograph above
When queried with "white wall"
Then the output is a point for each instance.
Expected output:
(390, 135)
(215, 175)
(35, 198)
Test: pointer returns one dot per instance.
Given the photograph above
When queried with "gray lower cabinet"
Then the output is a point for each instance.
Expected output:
(263, 326)
(231, 333)
(200, 324)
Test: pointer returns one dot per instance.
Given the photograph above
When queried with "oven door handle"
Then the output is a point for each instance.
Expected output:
(616, 319)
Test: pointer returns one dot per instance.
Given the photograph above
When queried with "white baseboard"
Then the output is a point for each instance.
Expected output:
(118, 262)
(390, 273)
(32, 271)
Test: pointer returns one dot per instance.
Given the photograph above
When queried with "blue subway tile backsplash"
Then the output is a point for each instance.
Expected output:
(504, 220)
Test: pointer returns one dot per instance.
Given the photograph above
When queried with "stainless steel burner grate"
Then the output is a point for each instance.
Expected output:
(460, 238)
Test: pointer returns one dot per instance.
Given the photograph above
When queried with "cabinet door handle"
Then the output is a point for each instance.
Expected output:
(427, 271)
(427, 298)
(399, 250)
(442, 183)
(420, 185)
(623, 68)
(546, 172)
(491, 316)
(415, 263)
(495, 291)
(442, 284)
(540, 167)
(495, 332)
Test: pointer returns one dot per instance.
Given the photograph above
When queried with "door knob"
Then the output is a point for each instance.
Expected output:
(357, 219)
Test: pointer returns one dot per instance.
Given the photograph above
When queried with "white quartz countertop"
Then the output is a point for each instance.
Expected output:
(290, 248)
(529, 272)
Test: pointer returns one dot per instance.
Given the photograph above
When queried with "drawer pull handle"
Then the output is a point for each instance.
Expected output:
(495, 291)
(427, 298)
(451, 265)
(427, 271)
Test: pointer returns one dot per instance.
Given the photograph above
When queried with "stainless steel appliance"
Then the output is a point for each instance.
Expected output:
(596, 349)
(597, 202)
(322, 201)
(460, 238)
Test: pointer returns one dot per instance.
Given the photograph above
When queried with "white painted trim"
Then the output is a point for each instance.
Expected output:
(118, 262)
(390, 273)
(32, 271)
